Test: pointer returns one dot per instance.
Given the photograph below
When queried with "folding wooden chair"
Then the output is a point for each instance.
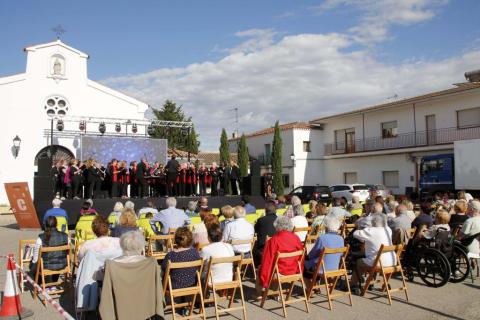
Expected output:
(387, 272)
(194, 291)
(298, 230)
(43, 273)
(25, 255)
(333, 275)
(347, 228)
(233, 285)
(164, 241)
(310, 242)
(289, 279)
(246, 262)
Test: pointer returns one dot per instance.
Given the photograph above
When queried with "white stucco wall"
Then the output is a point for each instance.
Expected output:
(23, 99)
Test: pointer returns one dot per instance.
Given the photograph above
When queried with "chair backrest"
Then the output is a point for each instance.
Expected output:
(144, 223)
(172, 230)
(396, 249)
(320, 267)
(165, 240)
(299, 254)
(167, 282)
(302, 229)
(84, 224)
(43, 250)
(112, 219)
(235, 260)
(25, 250)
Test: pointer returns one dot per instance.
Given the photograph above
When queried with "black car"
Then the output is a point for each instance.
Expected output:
(307, 193)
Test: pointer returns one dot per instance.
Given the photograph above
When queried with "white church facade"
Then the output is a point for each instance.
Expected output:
(55, 87)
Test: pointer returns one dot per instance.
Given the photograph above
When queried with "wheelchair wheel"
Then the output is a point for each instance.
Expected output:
(433, 268)
(459, 264)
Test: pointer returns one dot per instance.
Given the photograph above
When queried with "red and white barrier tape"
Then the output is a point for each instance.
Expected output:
(47, 297)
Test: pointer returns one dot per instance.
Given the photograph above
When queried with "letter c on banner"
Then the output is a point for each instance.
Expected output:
(21, 204)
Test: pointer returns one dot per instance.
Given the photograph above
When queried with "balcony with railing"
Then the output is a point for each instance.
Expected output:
(264, 159)
(404, 140)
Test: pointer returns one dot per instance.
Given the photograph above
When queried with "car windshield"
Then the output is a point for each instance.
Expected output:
(323, 189)
(360, 187)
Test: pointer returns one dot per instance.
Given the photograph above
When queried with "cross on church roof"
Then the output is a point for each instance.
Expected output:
(58, 30)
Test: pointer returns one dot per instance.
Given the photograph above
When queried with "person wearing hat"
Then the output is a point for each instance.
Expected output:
(56, 211)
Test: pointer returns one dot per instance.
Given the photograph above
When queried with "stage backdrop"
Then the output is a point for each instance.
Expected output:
(104, 148)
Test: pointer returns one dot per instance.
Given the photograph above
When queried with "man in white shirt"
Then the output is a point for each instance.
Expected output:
(373, 237)
(170, 218)
(239, 229)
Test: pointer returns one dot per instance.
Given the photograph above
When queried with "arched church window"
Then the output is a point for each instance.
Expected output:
(56, 106)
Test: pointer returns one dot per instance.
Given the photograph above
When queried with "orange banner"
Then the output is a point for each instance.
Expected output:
(22, 205)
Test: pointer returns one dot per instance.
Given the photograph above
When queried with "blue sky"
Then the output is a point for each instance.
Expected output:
(156, 50)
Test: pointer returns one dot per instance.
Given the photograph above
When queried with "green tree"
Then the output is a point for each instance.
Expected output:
(277, 161)
(224, 152)
(177, 138)
(243, 157)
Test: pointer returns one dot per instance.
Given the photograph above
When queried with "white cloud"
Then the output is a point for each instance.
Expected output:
(379, 15)
(299, 77)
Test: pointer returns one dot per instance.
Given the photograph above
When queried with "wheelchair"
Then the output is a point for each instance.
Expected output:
(436, 261)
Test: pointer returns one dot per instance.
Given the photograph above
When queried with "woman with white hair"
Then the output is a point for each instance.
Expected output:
(284, 240)
(132, 244)
(113, 218)
(300, 221)
(332, 240)
(295, 208)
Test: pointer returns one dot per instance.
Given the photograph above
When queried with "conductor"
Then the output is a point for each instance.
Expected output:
(171, 169)
(142, 182)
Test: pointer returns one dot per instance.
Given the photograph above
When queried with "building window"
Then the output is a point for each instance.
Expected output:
(286, 181)
(306, 146)
(345, 138)
(390, 179)
(468, 118)
(350, 177)
(389, 129)
(56, 106)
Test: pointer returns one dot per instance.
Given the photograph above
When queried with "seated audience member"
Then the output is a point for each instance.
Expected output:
(263, 228)
(321, 213)
(191, 207)
(312, 206)
(200, 233)
(183, 252)
(130, 205)
(299, 221)
(391, 208)
(460, 216)
(149, 208)
(281, 202)
(410, 209)
(249, 208)
(295, 207)
(283, 241)
(373, 237)
(103, 243)
(355, 207)
(132, 244)
(338, 210)
(203, 204)
(87, 208)
(222, 272)
(55, 211)
(332, 240)
(239, 229)
(380, 200)
(227, 213)
(127, 222)
(401, 220)
(442, 218)
(171, 218)
(51, 237)
(471, 227)
(115, 215)
(424, 218)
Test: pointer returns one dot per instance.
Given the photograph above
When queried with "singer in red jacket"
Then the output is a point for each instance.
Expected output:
(283, 241)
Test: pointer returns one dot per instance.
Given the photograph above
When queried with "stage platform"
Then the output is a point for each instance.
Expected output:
(105, 206)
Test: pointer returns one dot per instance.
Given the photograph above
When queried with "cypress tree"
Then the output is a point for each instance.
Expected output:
(243, 157)
(224, 153)
(277, 161)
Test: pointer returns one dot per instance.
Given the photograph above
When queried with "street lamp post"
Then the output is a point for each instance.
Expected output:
(16, 145)
(292, 157)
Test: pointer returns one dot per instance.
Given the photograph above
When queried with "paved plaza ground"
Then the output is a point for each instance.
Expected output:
(453, 301)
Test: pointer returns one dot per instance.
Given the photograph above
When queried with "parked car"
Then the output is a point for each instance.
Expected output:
(307, 193)
(347, 191)
(379, 189)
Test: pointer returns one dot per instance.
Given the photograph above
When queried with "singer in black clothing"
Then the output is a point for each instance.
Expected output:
(234, 175)
(171, 169)
(142, 185)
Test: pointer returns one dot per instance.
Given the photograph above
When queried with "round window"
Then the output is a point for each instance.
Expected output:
(56, 106)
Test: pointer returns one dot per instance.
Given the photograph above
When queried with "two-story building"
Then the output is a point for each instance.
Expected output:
(380, 144)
